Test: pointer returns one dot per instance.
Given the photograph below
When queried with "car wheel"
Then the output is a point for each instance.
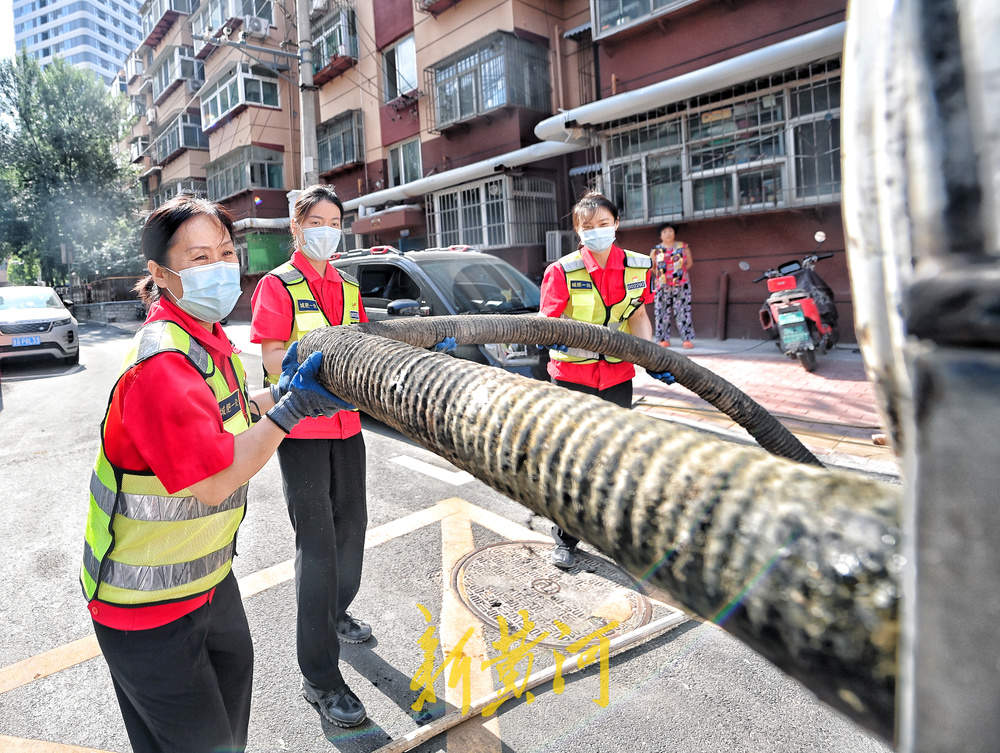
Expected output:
(72, 360)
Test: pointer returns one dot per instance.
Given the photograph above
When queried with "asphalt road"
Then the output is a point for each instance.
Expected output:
(692, 689)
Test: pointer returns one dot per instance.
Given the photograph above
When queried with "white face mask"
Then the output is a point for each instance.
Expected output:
(320, 242)
(598, 238)
(210, 290)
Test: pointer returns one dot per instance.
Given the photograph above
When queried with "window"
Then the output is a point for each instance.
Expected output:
(400, 65)
(244, 84)
(759, 145)
(175, 65)
(215, 14)
(156, 9)
(186, 187)
(613, 15)
(496, 71)
(386, 283)
(341, 141)
(493, 213)
(404, 163)
(183, 132)
(243, 169)
(335, 36)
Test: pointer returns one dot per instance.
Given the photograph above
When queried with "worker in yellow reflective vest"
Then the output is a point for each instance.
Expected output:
(606, 285)
(179, 441)
(323, 459)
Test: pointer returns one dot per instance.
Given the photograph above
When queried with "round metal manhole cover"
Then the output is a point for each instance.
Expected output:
(504, 579)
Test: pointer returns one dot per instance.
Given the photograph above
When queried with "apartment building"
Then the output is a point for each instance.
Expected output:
(95, 35)
(218, 120)
(478, 122)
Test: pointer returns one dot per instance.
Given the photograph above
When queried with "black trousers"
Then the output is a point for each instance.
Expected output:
(185, 687)
(324, 484)
(619, 394)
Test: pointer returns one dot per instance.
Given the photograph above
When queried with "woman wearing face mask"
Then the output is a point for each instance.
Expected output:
(180, 439)
(606, 285)
(323, 460)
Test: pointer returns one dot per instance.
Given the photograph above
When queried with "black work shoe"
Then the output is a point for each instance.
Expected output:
(351, 630)
(563, 557)
(340, 707)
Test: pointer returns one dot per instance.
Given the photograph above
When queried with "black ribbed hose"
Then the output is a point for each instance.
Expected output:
(799, 562)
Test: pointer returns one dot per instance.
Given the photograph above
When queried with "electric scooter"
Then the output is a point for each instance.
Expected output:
(800, 308)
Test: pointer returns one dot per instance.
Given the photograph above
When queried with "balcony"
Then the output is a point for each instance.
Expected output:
(335, 44)
(157, 16)
(174, 66)
(614, 16)
(213, 16)
(133, 67)
(137, 150)
(498, 71)
(183, 132)
(434, 7)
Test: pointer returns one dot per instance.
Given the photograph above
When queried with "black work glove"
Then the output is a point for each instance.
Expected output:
(306, 397)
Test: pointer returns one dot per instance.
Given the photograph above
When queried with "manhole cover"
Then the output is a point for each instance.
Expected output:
(503, 579)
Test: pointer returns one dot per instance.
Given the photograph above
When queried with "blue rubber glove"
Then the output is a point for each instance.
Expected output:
(306, 397)
(560, 348)
(289, 365)
(447, 345)
(664, 376)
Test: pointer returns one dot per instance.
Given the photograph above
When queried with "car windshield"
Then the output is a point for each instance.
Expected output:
(483, 286)
(28, 298)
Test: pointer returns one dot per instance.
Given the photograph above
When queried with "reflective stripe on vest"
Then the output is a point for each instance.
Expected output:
(586, 305)
(143, 545)
(306, 312)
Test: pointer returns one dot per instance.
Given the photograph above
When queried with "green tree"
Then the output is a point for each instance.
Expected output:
(66, 192)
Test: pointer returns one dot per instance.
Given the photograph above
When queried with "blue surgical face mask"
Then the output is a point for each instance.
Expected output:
(598, 238)
(320, 242)
(210, 290)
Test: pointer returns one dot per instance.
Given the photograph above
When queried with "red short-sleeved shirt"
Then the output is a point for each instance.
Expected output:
(272, 320)
(610, 283)
(164, 418)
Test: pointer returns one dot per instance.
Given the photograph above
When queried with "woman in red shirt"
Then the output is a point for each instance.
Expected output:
(600, 295)
(323, 460)
(168, 492)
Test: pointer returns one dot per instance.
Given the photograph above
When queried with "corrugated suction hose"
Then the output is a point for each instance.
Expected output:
(797, 561)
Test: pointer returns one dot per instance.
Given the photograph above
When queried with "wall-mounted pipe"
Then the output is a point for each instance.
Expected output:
(798, 562)
(723, 307)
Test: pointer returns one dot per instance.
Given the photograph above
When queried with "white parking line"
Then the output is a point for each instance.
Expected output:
(455, 478)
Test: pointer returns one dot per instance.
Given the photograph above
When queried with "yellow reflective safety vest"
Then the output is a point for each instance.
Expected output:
(586, 305)
(143, 545)
(307, 314)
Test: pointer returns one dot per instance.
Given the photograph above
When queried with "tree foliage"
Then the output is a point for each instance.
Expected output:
(63, 183)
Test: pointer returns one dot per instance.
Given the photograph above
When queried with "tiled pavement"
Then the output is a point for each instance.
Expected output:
(831, 410)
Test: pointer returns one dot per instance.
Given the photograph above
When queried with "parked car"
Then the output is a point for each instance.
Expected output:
(34, 321)
(443, 281)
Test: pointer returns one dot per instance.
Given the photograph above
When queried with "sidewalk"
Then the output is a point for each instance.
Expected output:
(831, 410)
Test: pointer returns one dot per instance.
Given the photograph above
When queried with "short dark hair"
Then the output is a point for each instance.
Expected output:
(663, 226)
(589, 203)
(312, 196)
(161, 226)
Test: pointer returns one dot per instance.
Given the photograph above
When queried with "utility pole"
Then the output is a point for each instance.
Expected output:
(308, 147)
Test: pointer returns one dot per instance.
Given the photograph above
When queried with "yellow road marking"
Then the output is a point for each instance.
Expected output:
(84, 649)
(456, 541)
(20, 745)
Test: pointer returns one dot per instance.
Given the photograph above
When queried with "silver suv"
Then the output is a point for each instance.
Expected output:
(443, 281)
(34, 321)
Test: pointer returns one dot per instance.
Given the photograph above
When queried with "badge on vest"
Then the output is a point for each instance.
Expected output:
(581, 285)
(308, 306)
(230, 406)
(637, 285)
(355, 316)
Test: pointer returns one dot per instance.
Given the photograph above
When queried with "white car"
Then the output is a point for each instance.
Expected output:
(34, 321)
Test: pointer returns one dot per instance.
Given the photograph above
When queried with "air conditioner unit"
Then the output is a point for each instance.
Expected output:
(193, 85)
(558, 243)
(151, 116)
(319, 6)
(256, 26)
